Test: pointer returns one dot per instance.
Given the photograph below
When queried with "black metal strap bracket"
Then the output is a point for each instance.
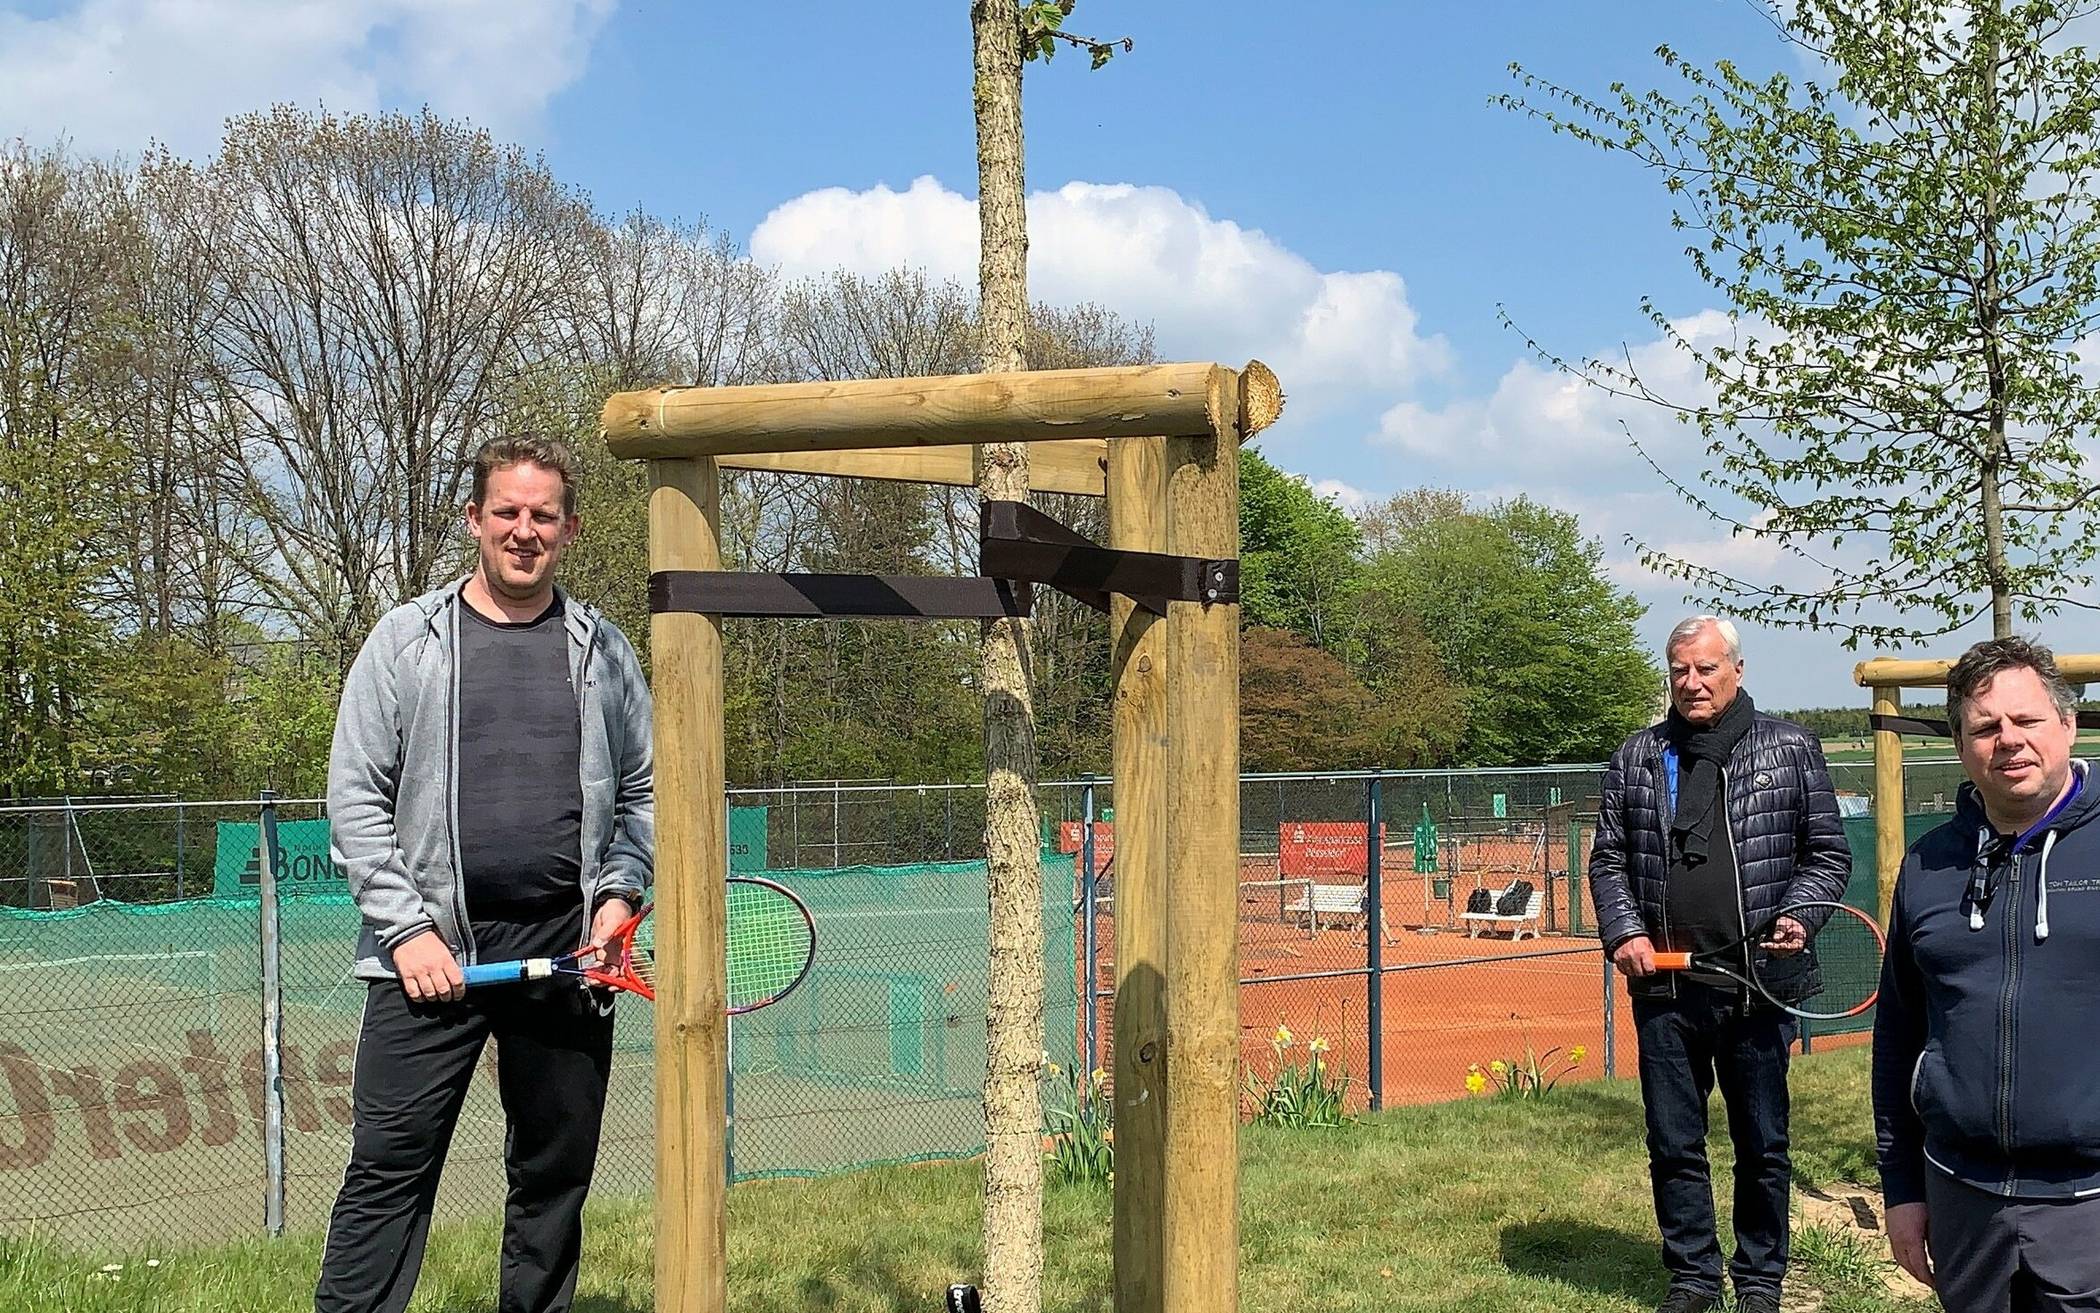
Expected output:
(836, 596)
(1018, 546)
(1940, 729)
(1016, 541)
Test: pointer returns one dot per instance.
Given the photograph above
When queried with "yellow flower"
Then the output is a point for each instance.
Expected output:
(1100, 1077)
(1318, 1045)
(1283, 1036)
(1499, 1067)
(1475, 1082)
(1578, 1053)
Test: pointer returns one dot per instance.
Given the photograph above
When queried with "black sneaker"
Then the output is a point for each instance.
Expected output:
(1688, 1301)
(1756, 1301)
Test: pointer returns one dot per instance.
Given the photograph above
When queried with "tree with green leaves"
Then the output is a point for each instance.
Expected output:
(1909, 249)
(1523, 617)
(1299, 566)
(62, 472)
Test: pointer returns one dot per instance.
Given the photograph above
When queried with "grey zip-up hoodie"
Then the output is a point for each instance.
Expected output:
(393, 794)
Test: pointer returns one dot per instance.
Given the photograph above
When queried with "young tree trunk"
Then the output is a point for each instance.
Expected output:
(1013, 1116)
(1996, 445)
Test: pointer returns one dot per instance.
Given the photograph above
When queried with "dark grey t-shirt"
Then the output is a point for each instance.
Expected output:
(520, 785)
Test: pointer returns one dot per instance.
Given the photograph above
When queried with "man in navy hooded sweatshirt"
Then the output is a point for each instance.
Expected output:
(1986, 1087)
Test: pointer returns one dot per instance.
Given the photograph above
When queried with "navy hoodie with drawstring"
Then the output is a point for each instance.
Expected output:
(1987, 1031)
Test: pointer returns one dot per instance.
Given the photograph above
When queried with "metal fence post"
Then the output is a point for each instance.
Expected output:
(729, 1052)
(180, 828)
(1611, 1029)
(1089, 932)
(1374, 937)
(273, 1023)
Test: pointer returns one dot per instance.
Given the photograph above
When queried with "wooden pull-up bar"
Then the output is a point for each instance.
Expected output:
(1054, 405)
(1168, 436)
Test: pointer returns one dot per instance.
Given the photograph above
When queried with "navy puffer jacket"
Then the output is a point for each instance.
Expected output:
(1782, 817)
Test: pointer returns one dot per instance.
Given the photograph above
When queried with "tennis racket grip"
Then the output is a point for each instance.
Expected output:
(497, 973)
(1673, 961)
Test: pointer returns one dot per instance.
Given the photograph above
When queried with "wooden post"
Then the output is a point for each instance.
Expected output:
(692, 858)
(1888, 799)
(1137, 504)
(1200, 1217)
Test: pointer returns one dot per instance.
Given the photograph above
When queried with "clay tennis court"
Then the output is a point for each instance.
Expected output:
(1450, 1001)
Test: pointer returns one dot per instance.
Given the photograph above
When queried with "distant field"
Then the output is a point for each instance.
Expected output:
(1855, 749)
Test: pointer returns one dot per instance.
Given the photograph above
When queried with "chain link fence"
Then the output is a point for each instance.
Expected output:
(177, 1062)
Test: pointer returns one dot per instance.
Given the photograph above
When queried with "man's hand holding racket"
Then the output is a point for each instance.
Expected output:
(771, 942)
(605, 923)
(1635, 958)
(1787, 936)
(429, 973)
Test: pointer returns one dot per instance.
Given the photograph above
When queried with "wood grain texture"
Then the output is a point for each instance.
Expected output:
(1200, 1214)
(692, 857)
(1065, 465)
(2076, 666)
(1888, 799)
(953, 410)
(1137, 505)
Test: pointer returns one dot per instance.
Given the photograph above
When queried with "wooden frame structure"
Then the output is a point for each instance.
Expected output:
(1161, 442)
(1886, 678)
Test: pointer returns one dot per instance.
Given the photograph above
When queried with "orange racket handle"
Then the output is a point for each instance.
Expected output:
(1673, 961)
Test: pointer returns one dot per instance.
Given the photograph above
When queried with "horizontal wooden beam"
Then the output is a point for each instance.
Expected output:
(1889, 672)
(955, 410)
(1074, 465)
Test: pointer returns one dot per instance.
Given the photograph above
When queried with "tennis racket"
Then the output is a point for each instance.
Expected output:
(1836, 976)
(772, 941)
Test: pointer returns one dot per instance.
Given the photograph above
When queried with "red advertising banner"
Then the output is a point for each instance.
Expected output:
(1315, 848)
(1070, 839)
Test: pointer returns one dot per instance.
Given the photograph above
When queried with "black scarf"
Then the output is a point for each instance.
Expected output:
(1701, 752)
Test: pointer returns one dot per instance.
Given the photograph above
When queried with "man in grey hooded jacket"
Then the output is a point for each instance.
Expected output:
(489, 797)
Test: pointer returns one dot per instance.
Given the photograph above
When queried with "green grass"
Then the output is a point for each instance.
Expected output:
(1484, 1204)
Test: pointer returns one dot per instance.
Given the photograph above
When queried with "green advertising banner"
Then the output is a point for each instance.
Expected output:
(747, 840)
(303, 861)
(302, 858)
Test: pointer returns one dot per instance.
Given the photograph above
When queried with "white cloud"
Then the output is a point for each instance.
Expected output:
(1213, 289)
(1541, 418)
(111, 74)
(1347, 496)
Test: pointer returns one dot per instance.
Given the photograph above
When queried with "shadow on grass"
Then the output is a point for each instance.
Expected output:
(607, 1304)
(1584, 1254)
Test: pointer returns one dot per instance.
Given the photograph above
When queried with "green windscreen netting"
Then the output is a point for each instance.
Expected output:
(131, 1076)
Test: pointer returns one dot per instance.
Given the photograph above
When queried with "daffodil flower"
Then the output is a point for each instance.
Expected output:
(1475, 1082)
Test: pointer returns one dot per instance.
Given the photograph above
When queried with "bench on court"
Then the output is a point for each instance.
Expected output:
(1534, 910)
(1343, 903)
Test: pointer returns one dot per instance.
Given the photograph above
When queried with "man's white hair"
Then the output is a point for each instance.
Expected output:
(1687, 630)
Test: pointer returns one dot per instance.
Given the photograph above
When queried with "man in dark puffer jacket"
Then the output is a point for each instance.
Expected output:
(1986, 1094)
(1709, 823)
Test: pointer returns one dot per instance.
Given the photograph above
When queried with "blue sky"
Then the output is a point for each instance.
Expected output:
(1323, 185)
